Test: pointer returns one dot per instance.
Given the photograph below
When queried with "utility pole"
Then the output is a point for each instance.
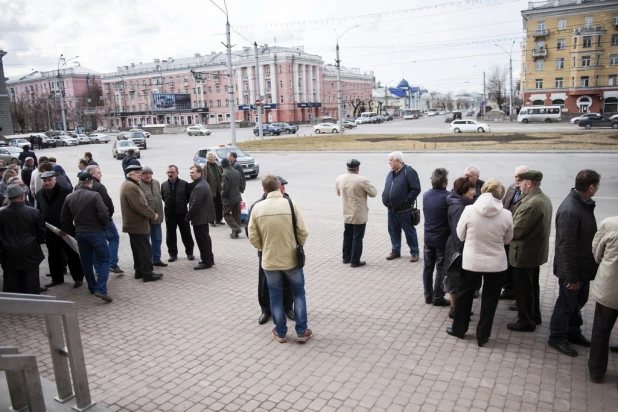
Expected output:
(511, 89)
(339, 95)
(385, 99)
(484, 100)
(230, 80)
(259, 89)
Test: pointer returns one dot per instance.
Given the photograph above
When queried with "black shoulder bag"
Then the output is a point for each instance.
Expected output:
(300, 251)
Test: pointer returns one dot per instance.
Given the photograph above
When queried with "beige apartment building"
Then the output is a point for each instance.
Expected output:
(570, 55)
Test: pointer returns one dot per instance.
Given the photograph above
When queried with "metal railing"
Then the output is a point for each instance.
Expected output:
(23, 380)
(68, 361)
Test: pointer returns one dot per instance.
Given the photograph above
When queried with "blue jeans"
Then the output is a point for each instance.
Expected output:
(156, 238)
(111, 234)
(353, 242)
(94, 243)
(398, 221)
(566, 320)
(433, 257)
(296, 277)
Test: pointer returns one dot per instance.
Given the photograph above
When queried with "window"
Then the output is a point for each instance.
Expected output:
(540, 45)
(267, 70)
(227, 102)
(572, 81)
(280, 97)
(218, 103)
(587, 41)
(210, 103)
(575, 42)
(561, 44)
(209, 89)
(597, 80)
(562, 24)
(280, 83)
(588, 22)
(613, 59)
(584, 81)
(614, 40)
(218, 89)
(177, 79)
(615, 20)
(559, 82)
(194, 91)
(540, 25)
(540, 64)
(291, 84)
(225, 88)
(539, 83)
(291, 99)
(573, 61)
(280, 69)
(612, 80)
(560, 63)
(585, 61)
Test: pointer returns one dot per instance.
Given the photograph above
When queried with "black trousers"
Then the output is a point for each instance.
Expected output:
(142, 254)
(204, 244)
(231, 214)
(264, 295)
(171, 223)
(489, 302)
(527, 294)
(353, 242)
(55, 248)
(22, 281)
(566, 319)
(604, 321)
(218, 207)
(433, 258)
(508, 280)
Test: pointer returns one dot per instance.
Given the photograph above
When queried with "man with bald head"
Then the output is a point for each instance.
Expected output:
(473, 173)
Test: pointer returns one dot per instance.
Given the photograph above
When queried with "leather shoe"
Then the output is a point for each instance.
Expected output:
(513, 307)
(393, 255)
(414, 258)
(596, 379)
(263, 318)
(518, 327)
(212, 224)
(161, 264)
(507, 295)
(201, 266)
(289, 314)
(152, 277)
(190, 257)
(580, 340)
(138, 275)
(450, 332)
(538, 322)
(442, 302)
(476, 294)
(613, 348)
(42, 289)
(77, 284)
(359, 264)
(173, 259)
(346, 262)
(482, 342)
(52, 284)
(429, 300)
(220, 222)
(564, 348)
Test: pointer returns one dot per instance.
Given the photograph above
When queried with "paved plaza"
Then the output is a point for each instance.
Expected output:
(191, 342)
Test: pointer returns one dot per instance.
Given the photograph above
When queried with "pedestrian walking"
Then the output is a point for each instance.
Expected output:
(175, 193)
(201, 212)
(152, 190)
(353, 189)
(26, 153)
(214, 174)
(231, 197)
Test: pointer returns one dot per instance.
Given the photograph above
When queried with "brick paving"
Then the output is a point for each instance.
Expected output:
(191, 342)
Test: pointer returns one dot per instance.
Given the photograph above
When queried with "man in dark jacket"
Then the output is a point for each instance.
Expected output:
(129, 160)
(59, 171)
(201, 212)
(574, 262)
(26, 176)
(233, 158)
(22, 231)
(26, 153)
(49, 201)
(85, 215)
(175, 193)
(213, 177)
(231, 197)
(401, 189)
(473, 173)
(435, 210)
(89, 159)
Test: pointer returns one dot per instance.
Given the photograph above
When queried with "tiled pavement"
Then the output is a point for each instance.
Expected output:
(191, 342)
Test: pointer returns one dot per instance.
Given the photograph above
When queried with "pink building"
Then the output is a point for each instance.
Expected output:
(356, 88)
(194, 90)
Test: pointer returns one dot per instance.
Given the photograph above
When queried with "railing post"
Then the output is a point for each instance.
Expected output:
(59, 358)
(83, 400)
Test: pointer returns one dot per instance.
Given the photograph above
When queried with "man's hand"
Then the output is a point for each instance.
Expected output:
(573, 286)
(62, 234)
(156, 217)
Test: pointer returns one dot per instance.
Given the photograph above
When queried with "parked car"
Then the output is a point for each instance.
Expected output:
(388, 117)
(67, 140)
(139, 139)
(10, 154)
(146, 134)
(326, 128)
(576, 120)
(83, 139)
(614, 117)
(349, 125)
(249, 165)
(600, 121)
(198, 130)
(102, 129)
(432, 113)
(267, 130)
(99, 138)
(286, 127)
(120, 149)
(459, 126)
(49, 142)
(19, 143)
(3, 143)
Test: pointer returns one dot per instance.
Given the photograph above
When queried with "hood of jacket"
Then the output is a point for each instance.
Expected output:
(454, 198)
(487, 205)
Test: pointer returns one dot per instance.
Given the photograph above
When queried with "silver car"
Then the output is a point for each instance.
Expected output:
(120, 148)
(10, 154)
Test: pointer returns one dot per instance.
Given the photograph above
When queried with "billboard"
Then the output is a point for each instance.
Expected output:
(169, 101)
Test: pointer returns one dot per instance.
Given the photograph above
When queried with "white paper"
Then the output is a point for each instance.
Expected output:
(67, 238)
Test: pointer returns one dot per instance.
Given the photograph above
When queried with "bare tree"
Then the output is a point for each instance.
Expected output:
(19, 113)
(497, 85)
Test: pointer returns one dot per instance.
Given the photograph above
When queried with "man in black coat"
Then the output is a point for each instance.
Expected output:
(233, 158)
(129, 160)
(22, 231)
(175, 193)
(201, 212)
(26, 153)
(473, 173)
(231, 197)
(574, 262)
(49, 201)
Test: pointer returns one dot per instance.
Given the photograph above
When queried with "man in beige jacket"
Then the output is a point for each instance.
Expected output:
(354, 189)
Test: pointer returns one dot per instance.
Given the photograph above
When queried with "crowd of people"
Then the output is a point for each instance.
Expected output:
(480, 239)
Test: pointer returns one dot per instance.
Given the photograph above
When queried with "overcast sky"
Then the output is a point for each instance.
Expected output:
(445, 48)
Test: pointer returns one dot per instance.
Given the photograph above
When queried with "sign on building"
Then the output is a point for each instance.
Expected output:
(169, 101)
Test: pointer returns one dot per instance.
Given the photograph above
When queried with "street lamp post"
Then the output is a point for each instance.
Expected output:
(62, 106)
(510, 79)
(339, 93)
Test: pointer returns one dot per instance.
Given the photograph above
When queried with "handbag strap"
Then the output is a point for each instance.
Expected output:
(293, 219)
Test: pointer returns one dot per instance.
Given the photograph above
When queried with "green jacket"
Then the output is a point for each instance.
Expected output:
(152, 191)
(531, 227)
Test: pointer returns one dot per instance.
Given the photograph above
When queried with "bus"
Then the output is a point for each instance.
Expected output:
(411, 114)
(545, 114)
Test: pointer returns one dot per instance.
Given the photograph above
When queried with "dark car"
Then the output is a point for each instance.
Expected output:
(388, 117)
(285, 127)
(267, 130)
(139, 138)
(598, 121)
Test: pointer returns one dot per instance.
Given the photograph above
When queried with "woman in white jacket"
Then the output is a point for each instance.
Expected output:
(485, 227)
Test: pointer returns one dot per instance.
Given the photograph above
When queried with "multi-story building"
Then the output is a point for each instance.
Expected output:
(6, 124)
(192, 90)
(570, 55)
(356, 90)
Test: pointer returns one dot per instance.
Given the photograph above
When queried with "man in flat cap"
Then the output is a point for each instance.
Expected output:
(22, 231)
(152, 190)
(574, 262)
(85, 215)
(50, 200)
(529, 249)
(137, 217)
(353, 190)
(231, 197)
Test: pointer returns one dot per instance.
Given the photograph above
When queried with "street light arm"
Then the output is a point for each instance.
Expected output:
(349, 28)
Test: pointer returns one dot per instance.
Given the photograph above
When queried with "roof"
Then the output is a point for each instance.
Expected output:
(66, 72)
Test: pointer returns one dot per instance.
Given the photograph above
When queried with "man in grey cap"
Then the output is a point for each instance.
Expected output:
(85, 215)
(353, 190)
(529, 249)
(152, 190)
(22, 231)
(231, 197)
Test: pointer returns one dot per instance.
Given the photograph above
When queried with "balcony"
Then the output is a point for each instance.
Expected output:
(589, 30)
(539, 52)
(186, 84)
(246, 92)
(216, 79)
(144, 87)
(267, 75)
(540, 33)
(244, 76)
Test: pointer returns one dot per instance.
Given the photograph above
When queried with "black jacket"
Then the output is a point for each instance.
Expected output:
(201, 206)
(50, 203)
(22, 231)
(128, 161)
(456, 205)
(26, 174)
(102, 190)
(230, 186)
(24, 155)
(84, 211)
(575, 230)
(401, 189)
(236, 165)
(175, 196)
(435, 212)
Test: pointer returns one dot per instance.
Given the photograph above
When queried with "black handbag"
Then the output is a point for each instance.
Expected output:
(416, 215)
(300, 250)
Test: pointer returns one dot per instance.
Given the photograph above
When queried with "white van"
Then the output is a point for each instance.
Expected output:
(545, 114)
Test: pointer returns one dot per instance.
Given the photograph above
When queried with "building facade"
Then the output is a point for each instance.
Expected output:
(6, 124)
(570, 55)
(356, 90)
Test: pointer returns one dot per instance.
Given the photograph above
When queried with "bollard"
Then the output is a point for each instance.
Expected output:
(435, 145)
(425, 146)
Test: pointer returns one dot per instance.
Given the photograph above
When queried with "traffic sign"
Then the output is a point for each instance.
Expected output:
(258, 102)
